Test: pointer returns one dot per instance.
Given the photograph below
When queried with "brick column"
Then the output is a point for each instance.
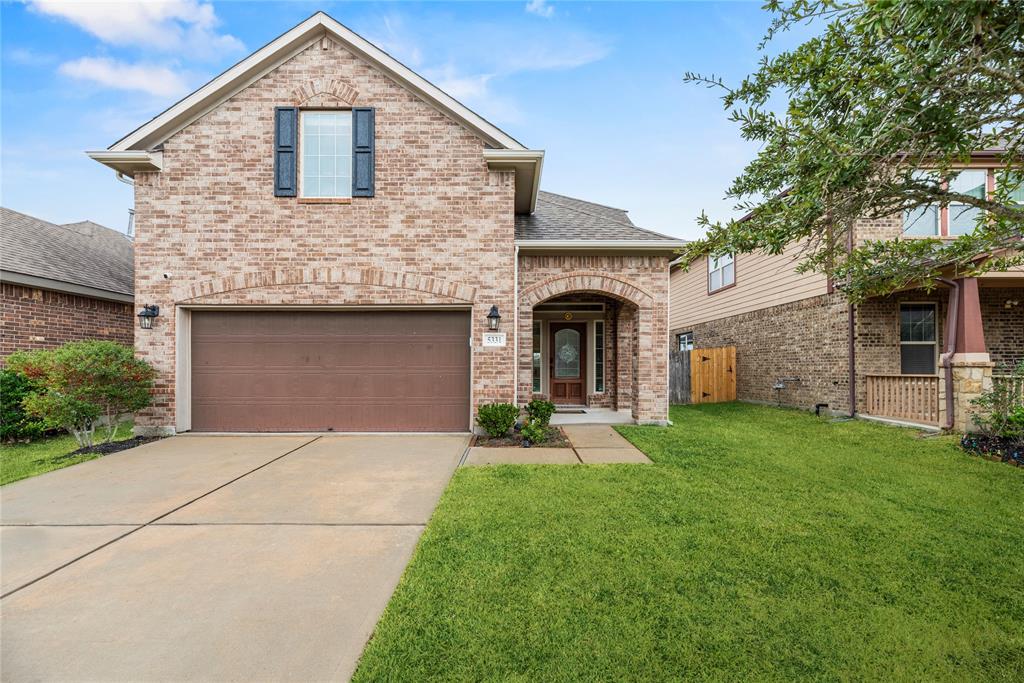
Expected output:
(650, 400)
(624, 357)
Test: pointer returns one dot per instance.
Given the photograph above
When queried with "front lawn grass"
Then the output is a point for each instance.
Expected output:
(23, 460)
(763, 544)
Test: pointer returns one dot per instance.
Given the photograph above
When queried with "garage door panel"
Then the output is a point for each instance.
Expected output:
(329, 370)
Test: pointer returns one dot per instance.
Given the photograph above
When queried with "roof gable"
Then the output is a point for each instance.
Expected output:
(151, 134)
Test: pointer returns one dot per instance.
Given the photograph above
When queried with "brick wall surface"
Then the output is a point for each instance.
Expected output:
(640, 350)
(1003, 323)
(41, 319)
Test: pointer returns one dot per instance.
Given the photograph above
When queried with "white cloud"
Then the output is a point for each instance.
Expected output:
(29, 57)
(147, 78)
(540, 8)
(188, 26)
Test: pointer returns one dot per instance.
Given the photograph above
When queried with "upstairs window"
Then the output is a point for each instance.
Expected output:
(721, 272)
(963, 218)
(326, 153)
(917, 339)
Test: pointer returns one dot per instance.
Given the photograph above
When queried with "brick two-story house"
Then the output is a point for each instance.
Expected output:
(329, 238)
(798, 341)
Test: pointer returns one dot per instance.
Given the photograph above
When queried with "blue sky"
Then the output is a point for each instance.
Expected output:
(598, 85)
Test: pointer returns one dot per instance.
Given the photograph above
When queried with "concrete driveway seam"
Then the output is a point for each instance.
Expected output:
(152, 521)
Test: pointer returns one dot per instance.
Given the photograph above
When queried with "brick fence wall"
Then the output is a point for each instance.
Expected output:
(42, 319)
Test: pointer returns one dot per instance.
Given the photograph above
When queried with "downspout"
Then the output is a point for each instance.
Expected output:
(952, 322)
(851, 329)
(515, 327)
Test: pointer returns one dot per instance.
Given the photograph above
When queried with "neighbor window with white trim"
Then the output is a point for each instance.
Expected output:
(721, 272)
(917, 339)
(326, 169)
(922, 220)
(536, 357)
(963, 218)
(685, 341)
(598, 356)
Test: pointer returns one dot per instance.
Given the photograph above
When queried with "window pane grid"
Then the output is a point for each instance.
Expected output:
(599, 356)
(536, 357)
(721, 272)
(917, 339)
(327, 154)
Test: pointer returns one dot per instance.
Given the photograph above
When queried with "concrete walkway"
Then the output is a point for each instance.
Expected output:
(213, 558)
(591, 445)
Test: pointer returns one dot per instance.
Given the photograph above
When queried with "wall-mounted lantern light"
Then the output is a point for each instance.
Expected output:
(146, 315)
(493, 318)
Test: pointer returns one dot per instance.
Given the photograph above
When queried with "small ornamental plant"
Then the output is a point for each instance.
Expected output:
(84, 385)
(999, 415)
(15, 424)
(497, 418)
(540, 411)
(532, 433)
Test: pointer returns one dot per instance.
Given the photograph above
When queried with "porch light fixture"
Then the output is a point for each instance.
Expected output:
(493, 318)
(146, 315)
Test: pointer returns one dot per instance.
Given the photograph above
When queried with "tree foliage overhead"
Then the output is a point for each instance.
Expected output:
(885, 88)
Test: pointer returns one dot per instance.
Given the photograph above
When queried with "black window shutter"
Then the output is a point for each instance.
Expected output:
(286, 134)
(362, 152)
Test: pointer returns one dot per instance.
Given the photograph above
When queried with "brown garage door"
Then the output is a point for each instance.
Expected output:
(330, 371)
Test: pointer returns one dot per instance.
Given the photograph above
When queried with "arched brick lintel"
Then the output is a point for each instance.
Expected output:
(585, 282)
(351, 276)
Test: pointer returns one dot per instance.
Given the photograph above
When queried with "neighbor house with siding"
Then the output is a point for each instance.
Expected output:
(799, 342)
(61, 283)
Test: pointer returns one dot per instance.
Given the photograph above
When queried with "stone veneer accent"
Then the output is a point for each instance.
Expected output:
(43, 319)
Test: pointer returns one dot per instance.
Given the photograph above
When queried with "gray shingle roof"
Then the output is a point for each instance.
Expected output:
(561, 218)
(84, 253)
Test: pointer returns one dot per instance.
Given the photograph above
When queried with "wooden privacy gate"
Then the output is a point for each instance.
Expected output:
(702, 375)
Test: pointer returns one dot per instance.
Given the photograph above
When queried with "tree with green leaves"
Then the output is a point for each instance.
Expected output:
(885, 90)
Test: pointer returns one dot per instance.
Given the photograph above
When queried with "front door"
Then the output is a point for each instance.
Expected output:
(568, 363)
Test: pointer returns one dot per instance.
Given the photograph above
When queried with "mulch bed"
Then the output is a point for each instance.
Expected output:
(114, 446)
(555, 439)
(994, 448)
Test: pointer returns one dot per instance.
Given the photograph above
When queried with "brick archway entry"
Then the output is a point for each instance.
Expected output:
(630, 362)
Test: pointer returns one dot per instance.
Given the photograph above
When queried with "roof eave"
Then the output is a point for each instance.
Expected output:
(666, 247)
(38, 282)
(129, 162)
(528, 165)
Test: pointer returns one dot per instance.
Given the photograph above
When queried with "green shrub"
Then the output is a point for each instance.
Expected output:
(540, 411)
(83, 381)
(533, 431)
(15, 424)
(1000, 411)
(497, 418)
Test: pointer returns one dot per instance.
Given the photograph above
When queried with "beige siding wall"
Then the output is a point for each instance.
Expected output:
(762, 281)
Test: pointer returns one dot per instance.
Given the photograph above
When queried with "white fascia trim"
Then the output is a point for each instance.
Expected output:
(129, 161)
(284, 47)
(611, 245)
(528, 165)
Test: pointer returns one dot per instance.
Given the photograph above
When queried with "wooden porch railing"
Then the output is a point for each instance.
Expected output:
(904, 397)
(1015, 382)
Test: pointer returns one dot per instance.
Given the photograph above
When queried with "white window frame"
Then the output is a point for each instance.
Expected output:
(537, 381)
(679, 341)
(718, 265)
(593, 355)
(301, 155)
(934, 343)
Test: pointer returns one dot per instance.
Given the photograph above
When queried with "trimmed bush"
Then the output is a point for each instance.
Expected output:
(83, 381)
(15, 423)
(540, 411)
(497, 418)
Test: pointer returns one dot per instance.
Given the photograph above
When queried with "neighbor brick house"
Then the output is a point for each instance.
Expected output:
(61, 283)
(326, 233)
(792, 331)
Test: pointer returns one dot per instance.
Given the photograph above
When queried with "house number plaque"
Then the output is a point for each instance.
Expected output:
(494, 338)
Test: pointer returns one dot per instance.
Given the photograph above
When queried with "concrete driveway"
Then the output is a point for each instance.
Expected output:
(213, 557)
